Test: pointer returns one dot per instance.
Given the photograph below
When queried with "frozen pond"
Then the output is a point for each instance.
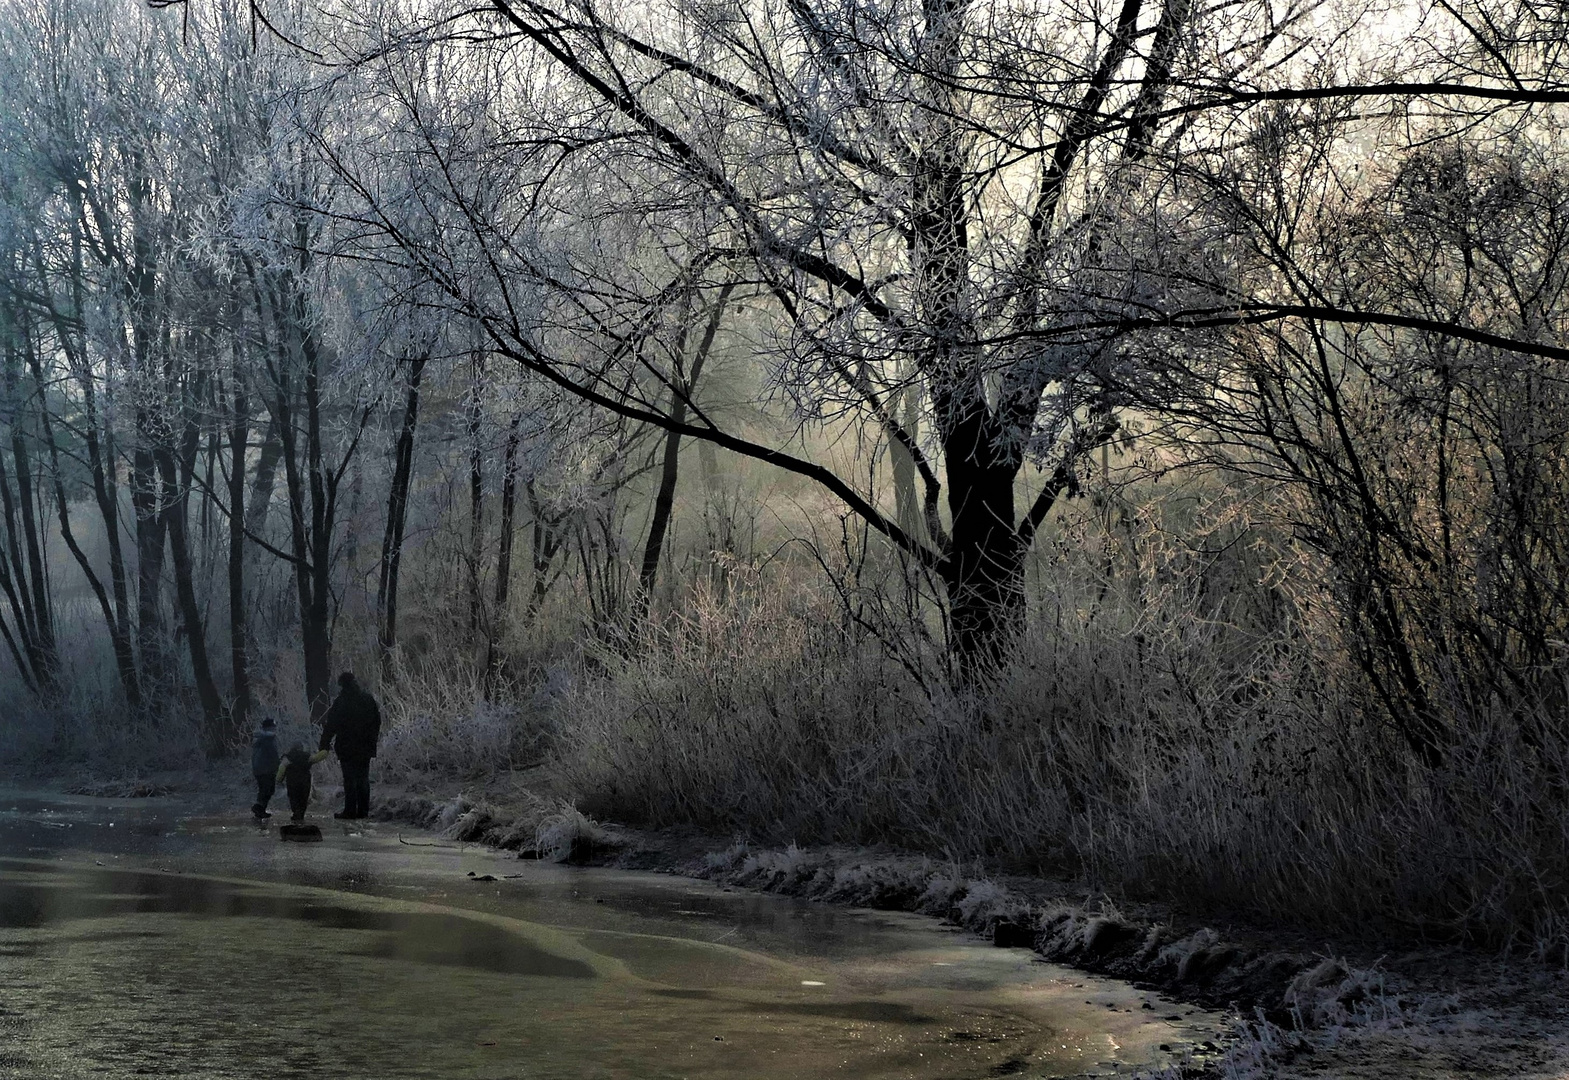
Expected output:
(135, 941)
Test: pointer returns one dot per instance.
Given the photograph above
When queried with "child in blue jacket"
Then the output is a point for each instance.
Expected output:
(264, 765)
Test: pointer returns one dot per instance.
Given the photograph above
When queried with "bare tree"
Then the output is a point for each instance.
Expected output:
(918, 189)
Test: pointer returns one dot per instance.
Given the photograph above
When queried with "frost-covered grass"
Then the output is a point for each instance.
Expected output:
(1154, 747)
(442, 724)
(83, 726)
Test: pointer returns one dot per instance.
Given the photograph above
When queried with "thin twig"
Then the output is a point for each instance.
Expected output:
(415, 843)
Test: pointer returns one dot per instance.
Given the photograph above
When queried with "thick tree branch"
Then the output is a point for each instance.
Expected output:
(533, 359)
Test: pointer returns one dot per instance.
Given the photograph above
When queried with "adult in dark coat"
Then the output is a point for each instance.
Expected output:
(352, 726)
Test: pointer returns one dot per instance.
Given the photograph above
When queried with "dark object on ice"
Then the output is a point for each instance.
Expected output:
(295, 772)
(352, 726)
(294, 831)
(1012, 935)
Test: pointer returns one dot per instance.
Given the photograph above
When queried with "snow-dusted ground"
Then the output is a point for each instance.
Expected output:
(1459, 1016)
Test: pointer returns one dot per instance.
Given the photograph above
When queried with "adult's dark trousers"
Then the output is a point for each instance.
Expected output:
(266, 784)
(356, 786)
(299, 796)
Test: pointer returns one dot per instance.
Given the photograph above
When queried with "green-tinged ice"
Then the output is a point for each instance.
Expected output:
(168, 947)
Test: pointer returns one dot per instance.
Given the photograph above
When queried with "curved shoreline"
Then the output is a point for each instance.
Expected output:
(1279, 996)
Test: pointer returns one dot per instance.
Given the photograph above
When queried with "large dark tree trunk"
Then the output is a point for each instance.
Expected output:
(659, 519)
(312, 486)
(983, 570)
(306, 525)
(397, 512)
(982, 565)
(316, 629)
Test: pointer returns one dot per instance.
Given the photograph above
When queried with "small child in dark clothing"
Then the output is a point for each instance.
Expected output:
(295, 772)
(264, 765)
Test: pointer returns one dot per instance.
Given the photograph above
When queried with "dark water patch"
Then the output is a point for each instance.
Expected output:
(105, 937)
(31, 904)
(143, 828)
(454, 941)
(29, 866)
(818, 927)
(338, 917)
(450, 940)
(24, 804)
(684, 995)
(23, 907)
(871, 1012)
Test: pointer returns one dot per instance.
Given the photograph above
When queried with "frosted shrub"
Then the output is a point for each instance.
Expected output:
(442, 724)
(476, 740)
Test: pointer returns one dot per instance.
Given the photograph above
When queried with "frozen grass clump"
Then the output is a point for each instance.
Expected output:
(986, 903)
(570, 836)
